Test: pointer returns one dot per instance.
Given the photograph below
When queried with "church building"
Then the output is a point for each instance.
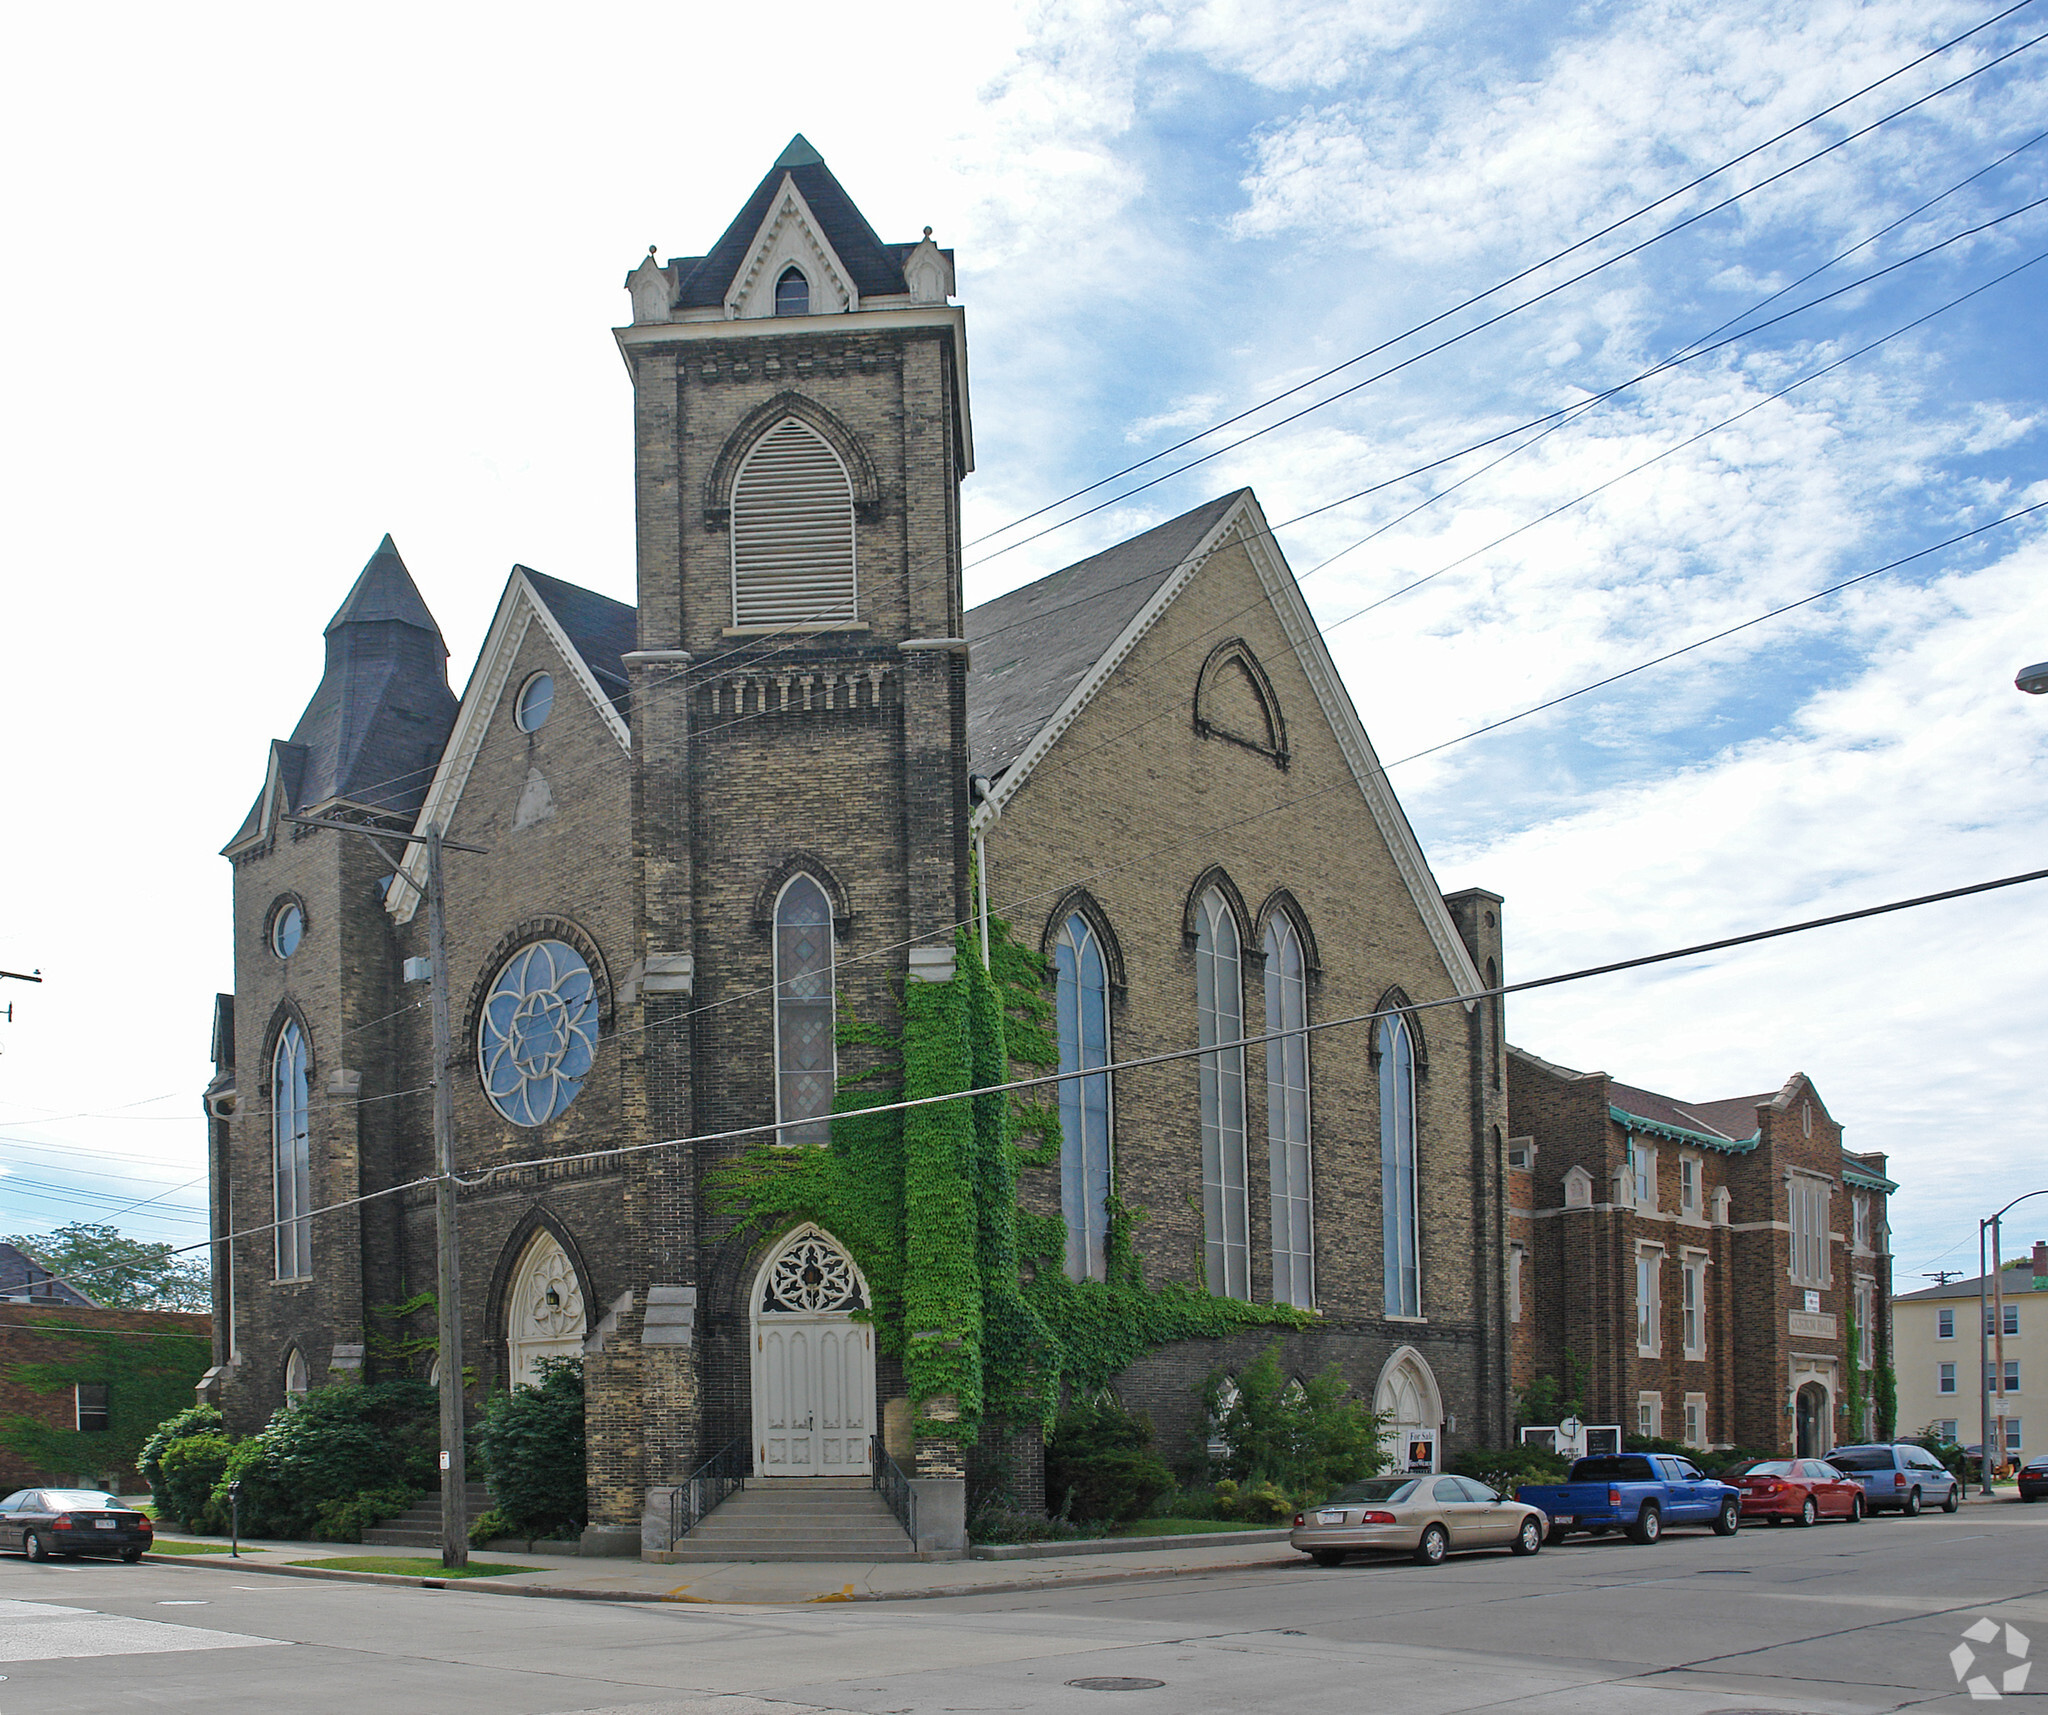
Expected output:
(705, 849)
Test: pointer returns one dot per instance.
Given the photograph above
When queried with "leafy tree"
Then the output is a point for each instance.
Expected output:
(1297, 1435)
(117, 1271)
(531, 1440)
(1099, 1464)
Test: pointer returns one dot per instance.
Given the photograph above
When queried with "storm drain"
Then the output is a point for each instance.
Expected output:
(1116, 1684)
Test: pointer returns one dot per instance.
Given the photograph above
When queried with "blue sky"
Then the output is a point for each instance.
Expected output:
(290, 284)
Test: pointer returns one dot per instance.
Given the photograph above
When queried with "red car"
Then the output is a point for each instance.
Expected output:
(1802, 1491)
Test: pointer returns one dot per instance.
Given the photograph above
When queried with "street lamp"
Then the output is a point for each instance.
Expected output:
(1990, 1303)
(2033, 680)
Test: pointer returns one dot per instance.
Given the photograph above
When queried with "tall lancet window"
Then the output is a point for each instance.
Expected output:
(291, 1134)
(1287, 1139)
(792, 532)
(806, 1069)
(792, 293)
(1397, 1169)
(1082, 1009)
(1219, 1011)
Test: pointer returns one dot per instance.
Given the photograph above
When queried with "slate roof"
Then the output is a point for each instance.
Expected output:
(1030, 648)
(22, 1276)
(377, 724)
(2016, 1277)
(875, 268)
(602, 629)
(1733, 1118)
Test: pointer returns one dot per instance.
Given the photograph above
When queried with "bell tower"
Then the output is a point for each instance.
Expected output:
(801, 431)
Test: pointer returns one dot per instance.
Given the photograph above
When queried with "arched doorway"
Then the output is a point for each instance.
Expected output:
(1408, 1401)
(814, 1365)
(544, 1309)
(1810, 1416)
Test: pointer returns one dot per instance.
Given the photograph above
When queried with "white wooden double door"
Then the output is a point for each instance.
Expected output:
(814, 1394)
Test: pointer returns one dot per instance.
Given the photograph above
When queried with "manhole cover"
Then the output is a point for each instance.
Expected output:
(1116, 1684)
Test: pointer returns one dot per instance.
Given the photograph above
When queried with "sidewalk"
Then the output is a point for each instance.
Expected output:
(750, 1583)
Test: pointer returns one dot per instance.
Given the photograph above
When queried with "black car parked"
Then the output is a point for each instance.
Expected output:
(45, 1523)
(2034, 1479)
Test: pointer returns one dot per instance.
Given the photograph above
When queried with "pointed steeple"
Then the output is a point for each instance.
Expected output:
(385, 592)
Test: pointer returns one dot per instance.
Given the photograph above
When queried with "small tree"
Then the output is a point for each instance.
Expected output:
(117, 1271)
(1099, 1464)
(1305, 1436)
(531, 1439)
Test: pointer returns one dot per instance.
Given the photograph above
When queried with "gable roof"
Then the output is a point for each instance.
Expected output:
(374, 728)
(1031, 647)
(875, 268)
(1005, 707)
(576, 620)
(21, 1276)
(1732, 1120)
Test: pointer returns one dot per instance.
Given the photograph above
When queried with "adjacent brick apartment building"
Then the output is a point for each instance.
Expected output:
(711, 821)
(1702, 1260)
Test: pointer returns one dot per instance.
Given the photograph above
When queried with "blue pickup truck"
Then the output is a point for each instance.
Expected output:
(1642, 1493)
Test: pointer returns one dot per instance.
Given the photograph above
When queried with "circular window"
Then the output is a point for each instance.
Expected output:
(287, 929)
(538, 1034)
(536, 702)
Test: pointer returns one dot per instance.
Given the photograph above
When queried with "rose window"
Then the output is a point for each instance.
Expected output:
(538, 1035)
(813, 1274)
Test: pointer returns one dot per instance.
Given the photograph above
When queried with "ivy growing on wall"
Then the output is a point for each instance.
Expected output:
(967, 1285)
(147, 1376)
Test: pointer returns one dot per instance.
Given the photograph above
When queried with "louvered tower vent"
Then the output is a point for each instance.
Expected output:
(792, 532)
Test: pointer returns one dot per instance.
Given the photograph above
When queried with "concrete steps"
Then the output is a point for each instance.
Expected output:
(799, 1518)
(421, 1526)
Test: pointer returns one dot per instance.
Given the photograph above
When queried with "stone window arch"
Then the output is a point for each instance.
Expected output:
(793, 532)
(1235, 700)
(792, 293)
(1081, 987)
(1219, 1015)
(291, 1140)
(1400, 1211)
(298, 1376)
(806, 1057)
(1287, 1113)
(545, 1316)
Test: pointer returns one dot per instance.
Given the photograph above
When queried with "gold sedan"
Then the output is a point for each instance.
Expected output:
(1426, 1516)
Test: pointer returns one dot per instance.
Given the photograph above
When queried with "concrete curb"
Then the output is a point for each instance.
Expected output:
(1124, 1544)
(584, 1593)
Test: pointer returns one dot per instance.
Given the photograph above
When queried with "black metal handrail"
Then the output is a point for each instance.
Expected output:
(894, 1488)
(721, 1474)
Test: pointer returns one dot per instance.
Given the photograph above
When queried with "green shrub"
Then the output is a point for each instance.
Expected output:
(531, 1440)
(1508, 1468)
(1254, 1503)
(193, 1420)
(1099, 1464)
(1950, 1453)
(345, 1520)
(1659, 1444)
(1307, 1436)
(334, 1444)
(187, 1470)
(489, 1527)
(997, 1521)
(1728, 1458)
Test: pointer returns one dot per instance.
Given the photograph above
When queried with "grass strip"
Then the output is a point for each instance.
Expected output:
(413, 1566)
(1185, 1526)
(163, 1547)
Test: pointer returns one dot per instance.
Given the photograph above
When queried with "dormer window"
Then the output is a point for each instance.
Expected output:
(792, 294)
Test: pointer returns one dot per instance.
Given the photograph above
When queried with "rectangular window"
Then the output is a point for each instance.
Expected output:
(1944, 1324)
(1808, 1207)
(1947, 1383)
(89, 1401)
(1650, 1414)
(1649, 1318)
(2012, 1318)
(1646, 1179)
(1519, 1152)
(2012, 1435)
(1689, 1184)
(1946, 1428)
(1695, 1420)
(1861, 1208)
(1866, 1332)
(2012, 1375)
(1696, 1310)
(1518, 1259)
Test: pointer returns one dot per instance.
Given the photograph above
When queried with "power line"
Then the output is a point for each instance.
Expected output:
(1501, 316)
(1043, 1080)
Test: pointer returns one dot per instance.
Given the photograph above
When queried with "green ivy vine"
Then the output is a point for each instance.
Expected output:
(968, 1286)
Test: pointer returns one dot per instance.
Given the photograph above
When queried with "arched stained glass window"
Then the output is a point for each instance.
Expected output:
(291, 1137)
(792, 532)
(1082, 1008)
(806, 1066)
(298, 1379)
(792, 293)
(1397, 1169)
(1219, 1009)
(537, 1038)
(1287, 1129)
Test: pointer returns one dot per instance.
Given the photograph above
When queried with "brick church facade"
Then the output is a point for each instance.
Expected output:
(715, 822)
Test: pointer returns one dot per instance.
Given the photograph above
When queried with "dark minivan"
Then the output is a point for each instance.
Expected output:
(1899, 1476)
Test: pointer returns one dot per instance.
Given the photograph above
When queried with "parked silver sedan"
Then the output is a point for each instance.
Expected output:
(1426, 1516)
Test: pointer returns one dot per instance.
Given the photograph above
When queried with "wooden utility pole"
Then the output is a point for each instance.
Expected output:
(447, 1239)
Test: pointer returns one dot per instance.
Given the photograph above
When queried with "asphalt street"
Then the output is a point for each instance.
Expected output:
(1836, 1618)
